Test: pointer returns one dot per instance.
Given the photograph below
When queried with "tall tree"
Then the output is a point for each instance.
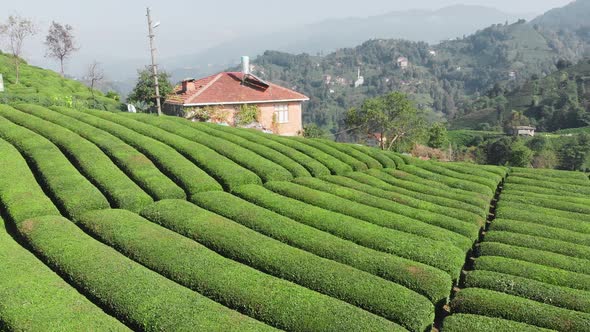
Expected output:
(16, 30)
(393, 118)
(60, 43)
(144, 91)
(94, 75)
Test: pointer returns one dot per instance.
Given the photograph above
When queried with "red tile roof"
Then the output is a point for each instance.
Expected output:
(227, 88)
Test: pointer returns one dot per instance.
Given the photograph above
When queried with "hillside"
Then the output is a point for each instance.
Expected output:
(46, 87)
(146, 223)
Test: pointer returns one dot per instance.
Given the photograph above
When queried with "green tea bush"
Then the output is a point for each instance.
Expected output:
(370, 214)
(136, 165)
(224, 170)
(550, 173)
(489, 181)
(459, 183)
(468, 230)
(470, 323)
(533, 242)
(70, 191)
(578, 180)
(385, 160)
(140, 297)
(353, 162)
(350, 152)
(546, 202)
(563, 297)
(191, 178)
(529, 228)
(88, 159)
(494, 304)
(266, 169)
(523, 212)
(416, 248)
(328, 277)
(268, 299)
(430, 282)
(552, 187)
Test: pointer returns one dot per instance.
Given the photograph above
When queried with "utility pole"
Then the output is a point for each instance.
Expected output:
(154, 66)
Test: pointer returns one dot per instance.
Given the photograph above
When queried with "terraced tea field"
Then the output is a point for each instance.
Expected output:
(116, 221)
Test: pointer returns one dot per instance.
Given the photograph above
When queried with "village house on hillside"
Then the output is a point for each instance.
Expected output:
(523, 131)
(221, 97)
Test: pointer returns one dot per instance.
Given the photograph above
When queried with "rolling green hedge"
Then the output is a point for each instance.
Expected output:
(266, 169)
(418, 191)
(517, 189)
(353, 162)
(24, 198)
(34, 298)
(88, 159)
(551, 187)
(497, 170)
(181, 170)
(134, 164)
(296, 169)
(271, 300)
(416, 248)
(313, 166)
(471, 323)
(494, 304)
(328, 277)
(466, 185)
(385, 160)
(398, 197)
(224, 170)
(533, 242)
(535, 256)
(546, 202)
(474, 170)
(423, 279)
(489, 181)
(335, 165)
(550, 173)
(549, 213)
(523, 212)
(533, 271)
(468, 230)
(563, 297)
(70, 191)
(136, 295)
(554, 180)
(349, 154)
(538, 230)
(399, 161)
(370, 214)
(408, 181)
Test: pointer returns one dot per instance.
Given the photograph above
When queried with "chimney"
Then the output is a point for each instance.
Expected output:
(245, 65)
(185, 84)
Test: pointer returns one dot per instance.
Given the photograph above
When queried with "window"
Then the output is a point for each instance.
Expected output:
(282, 113)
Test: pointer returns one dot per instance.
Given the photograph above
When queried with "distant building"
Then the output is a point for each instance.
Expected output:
(403, 62)
(512, 75)
(224, 93)
(360, 80)
(432, 52)
(523, 131)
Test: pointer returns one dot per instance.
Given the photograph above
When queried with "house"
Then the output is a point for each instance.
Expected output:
(403, 62)
(360, 79)
(219, 98)
(523, 131)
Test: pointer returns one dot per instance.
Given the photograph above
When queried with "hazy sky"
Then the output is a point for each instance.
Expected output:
(116, 29)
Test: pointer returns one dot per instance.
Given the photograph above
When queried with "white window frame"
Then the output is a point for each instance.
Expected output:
(281, 113)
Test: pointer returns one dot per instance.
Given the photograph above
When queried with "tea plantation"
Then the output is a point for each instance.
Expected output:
(117, 221)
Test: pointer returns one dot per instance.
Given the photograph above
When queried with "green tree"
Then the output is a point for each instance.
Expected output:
(145, 91)
(575, 154)
(313, 131)
(438, 136)
(247, 114)
(520, 155)
(393, 117)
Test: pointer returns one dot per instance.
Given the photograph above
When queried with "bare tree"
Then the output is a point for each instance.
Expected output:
(16, 30)
(60, 43)
(94, 75)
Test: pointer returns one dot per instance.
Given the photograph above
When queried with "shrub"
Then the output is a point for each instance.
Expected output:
(385, 160)
(349, 150)
(24, 198)
(497, 174)
(550, 173)
(430, 282)
(313, 166)
(71, 191)
(296, 169)
(533, 229)
(552, 187)
(228, 173)
(133, 163)
(517, 189)
(546, 202)
(549, 212)
(32, 297)
(563, 297)
(533, 242)
(422, 204)
(466, 185)
(367, 213)
(264, 168)
(88, 159)
(470, 231)
(321, 145)
(535, 256)
(409, 246)
(447, 198)
(523, 212)
(545, 177)
(533, 271)
(487, 180)
(191, 178)
(470, 323)
(399, 161)
(337, 280)
(494, 304)
(136, 295)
